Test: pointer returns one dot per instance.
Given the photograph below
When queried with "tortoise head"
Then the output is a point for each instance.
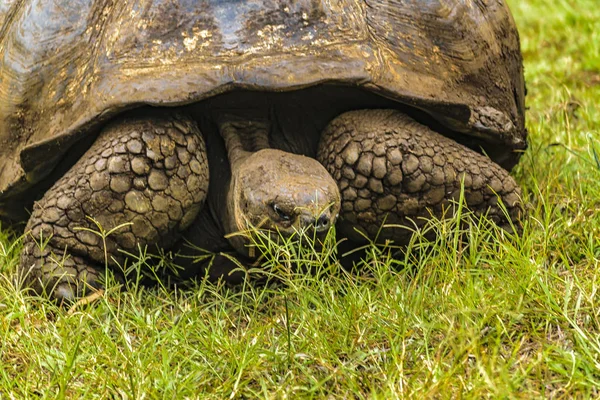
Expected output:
(280, 192)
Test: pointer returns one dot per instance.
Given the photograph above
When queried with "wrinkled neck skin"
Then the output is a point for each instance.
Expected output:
(271, 189)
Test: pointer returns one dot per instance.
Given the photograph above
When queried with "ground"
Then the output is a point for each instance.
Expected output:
(499, 317)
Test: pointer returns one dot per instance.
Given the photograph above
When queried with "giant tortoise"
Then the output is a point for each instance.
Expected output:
(172, 121)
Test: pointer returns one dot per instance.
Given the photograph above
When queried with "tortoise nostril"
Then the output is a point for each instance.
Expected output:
(322, 223)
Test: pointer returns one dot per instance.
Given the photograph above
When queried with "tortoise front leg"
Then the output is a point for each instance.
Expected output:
(391, 169)
(147, 174)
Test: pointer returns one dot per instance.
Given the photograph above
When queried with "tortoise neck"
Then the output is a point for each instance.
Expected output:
(243, 136)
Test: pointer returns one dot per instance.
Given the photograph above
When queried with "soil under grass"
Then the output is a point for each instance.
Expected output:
(499, 317)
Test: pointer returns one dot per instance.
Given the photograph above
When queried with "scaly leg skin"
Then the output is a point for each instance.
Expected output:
(391, 169)
(147, 172)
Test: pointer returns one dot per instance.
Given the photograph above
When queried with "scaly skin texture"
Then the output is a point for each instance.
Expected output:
(390, 168)
(150, 172)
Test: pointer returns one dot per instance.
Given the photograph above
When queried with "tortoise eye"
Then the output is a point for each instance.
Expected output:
(280, 213)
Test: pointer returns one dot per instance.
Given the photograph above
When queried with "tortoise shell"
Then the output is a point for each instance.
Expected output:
(66, 66)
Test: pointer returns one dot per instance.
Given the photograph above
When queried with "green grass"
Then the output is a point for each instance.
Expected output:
(494, 318)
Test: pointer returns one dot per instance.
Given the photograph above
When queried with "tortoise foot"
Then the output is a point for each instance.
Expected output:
(56, 273)
(142, 183)
(391, 169)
